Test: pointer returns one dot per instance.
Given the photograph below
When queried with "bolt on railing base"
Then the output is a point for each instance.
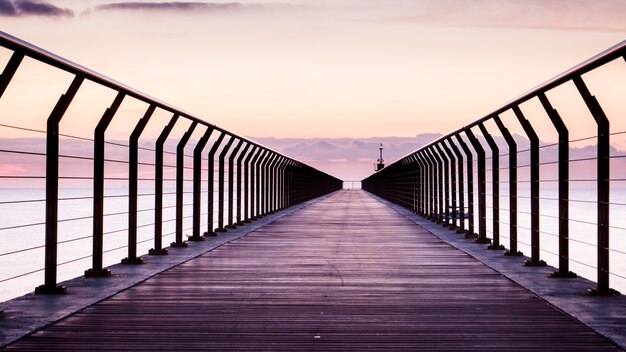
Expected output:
(210, 234)
(195, 238)
(97, 273)
(494, 247)
(161, 251)
(46, 290)
(566, 275)
(513, 254)
(608, 293)
(132, 261)
(178, 244)
(535, 263)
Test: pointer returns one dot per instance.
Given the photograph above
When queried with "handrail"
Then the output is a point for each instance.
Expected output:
(18, 45)
(608, 55)
(406, 182)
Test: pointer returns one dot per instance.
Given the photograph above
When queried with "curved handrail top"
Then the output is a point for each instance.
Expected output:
(37, 53)
(592, 63)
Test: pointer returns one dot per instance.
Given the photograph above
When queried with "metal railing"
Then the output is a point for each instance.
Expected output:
(446, 180)
(230, 179)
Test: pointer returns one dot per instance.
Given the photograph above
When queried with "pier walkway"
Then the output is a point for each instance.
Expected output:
(347, 273)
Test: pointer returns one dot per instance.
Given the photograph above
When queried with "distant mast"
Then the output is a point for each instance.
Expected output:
(381, 162)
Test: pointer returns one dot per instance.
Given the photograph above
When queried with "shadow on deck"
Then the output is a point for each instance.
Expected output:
(345, 273)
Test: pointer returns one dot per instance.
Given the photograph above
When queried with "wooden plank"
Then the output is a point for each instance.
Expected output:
(345, 274)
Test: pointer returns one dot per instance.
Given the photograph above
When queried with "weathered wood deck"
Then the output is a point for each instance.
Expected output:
(344, 274)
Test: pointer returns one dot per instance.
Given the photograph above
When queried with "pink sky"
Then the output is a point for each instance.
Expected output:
(304, 69)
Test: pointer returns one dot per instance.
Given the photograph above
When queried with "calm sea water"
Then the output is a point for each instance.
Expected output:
(75, 236)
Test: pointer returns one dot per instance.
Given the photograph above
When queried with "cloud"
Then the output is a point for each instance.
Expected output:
(604, 15)
(32, 7)
(173, 6)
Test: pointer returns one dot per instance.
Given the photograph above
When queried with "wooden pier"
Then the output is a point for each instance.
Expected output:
(347, 273)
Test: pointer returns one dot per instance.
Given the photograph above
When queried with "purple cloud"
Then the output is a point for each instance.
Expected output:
(32, 7)
(172, 6)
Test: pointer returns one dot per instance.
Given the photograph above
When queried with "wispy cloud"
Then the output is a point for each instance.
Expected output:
(604, 15)
(174, 6)
(32, 7)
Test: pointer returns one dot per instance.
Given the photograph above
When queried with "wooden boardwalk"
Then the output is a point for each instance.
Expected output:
(344, 274)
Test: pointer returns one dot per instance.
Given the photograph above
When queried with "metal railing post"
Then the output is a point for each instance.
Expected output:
(220, 186)
(197, 185)
(248, 205)
(259, 185)
(461, 188)
(453, 184)
(240, 160)
(211, 188)
(495, 186)
(471, 231)
(98, 189)
(180, 182)
(9, 71)
(231, 191)
(513, 251)
(52, 187)
(534, 188)
(603, 177)
(559, 125)
(158, 188)
(133, 174)
(445, 181)
(482, 187)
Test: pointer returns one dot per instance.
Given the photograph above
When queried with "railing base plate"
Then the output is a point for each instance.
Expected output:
(610, 293)
(97, 273)
(470, 235)
(494, 247)
(560, 275)
(178, 244)
(230, 227)
(45, 290)
(195, 238)
(161, 251)
(132, 261)
(482, 240)
(535, 263)
(513, 254)
(220, 230)
(210, 234)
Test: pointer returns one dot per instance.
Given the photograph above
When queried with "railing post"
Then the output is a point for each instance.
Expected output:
(133, 174)
(242, 155)
(158, 189)
(211, 188)
(561, 128)
(271, 187)
(52, 187)
(220, 186)
(513, 251)
(422, 185)
(534, 188)
(281, 185)
(259, 185)
(180, 182)
(9, 71)
(452, 184)
(231, 177)
(98, 189)
(254, 183)
(495, 186)
(471, 231)
(603, 176)
(482, 187)
(432, 186)
(461, 190)
(197, 184)
(445, 184)
(248, 206)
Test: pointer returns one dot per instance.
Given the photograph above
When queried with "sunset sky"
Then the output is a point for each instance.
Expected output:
(324, 68)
